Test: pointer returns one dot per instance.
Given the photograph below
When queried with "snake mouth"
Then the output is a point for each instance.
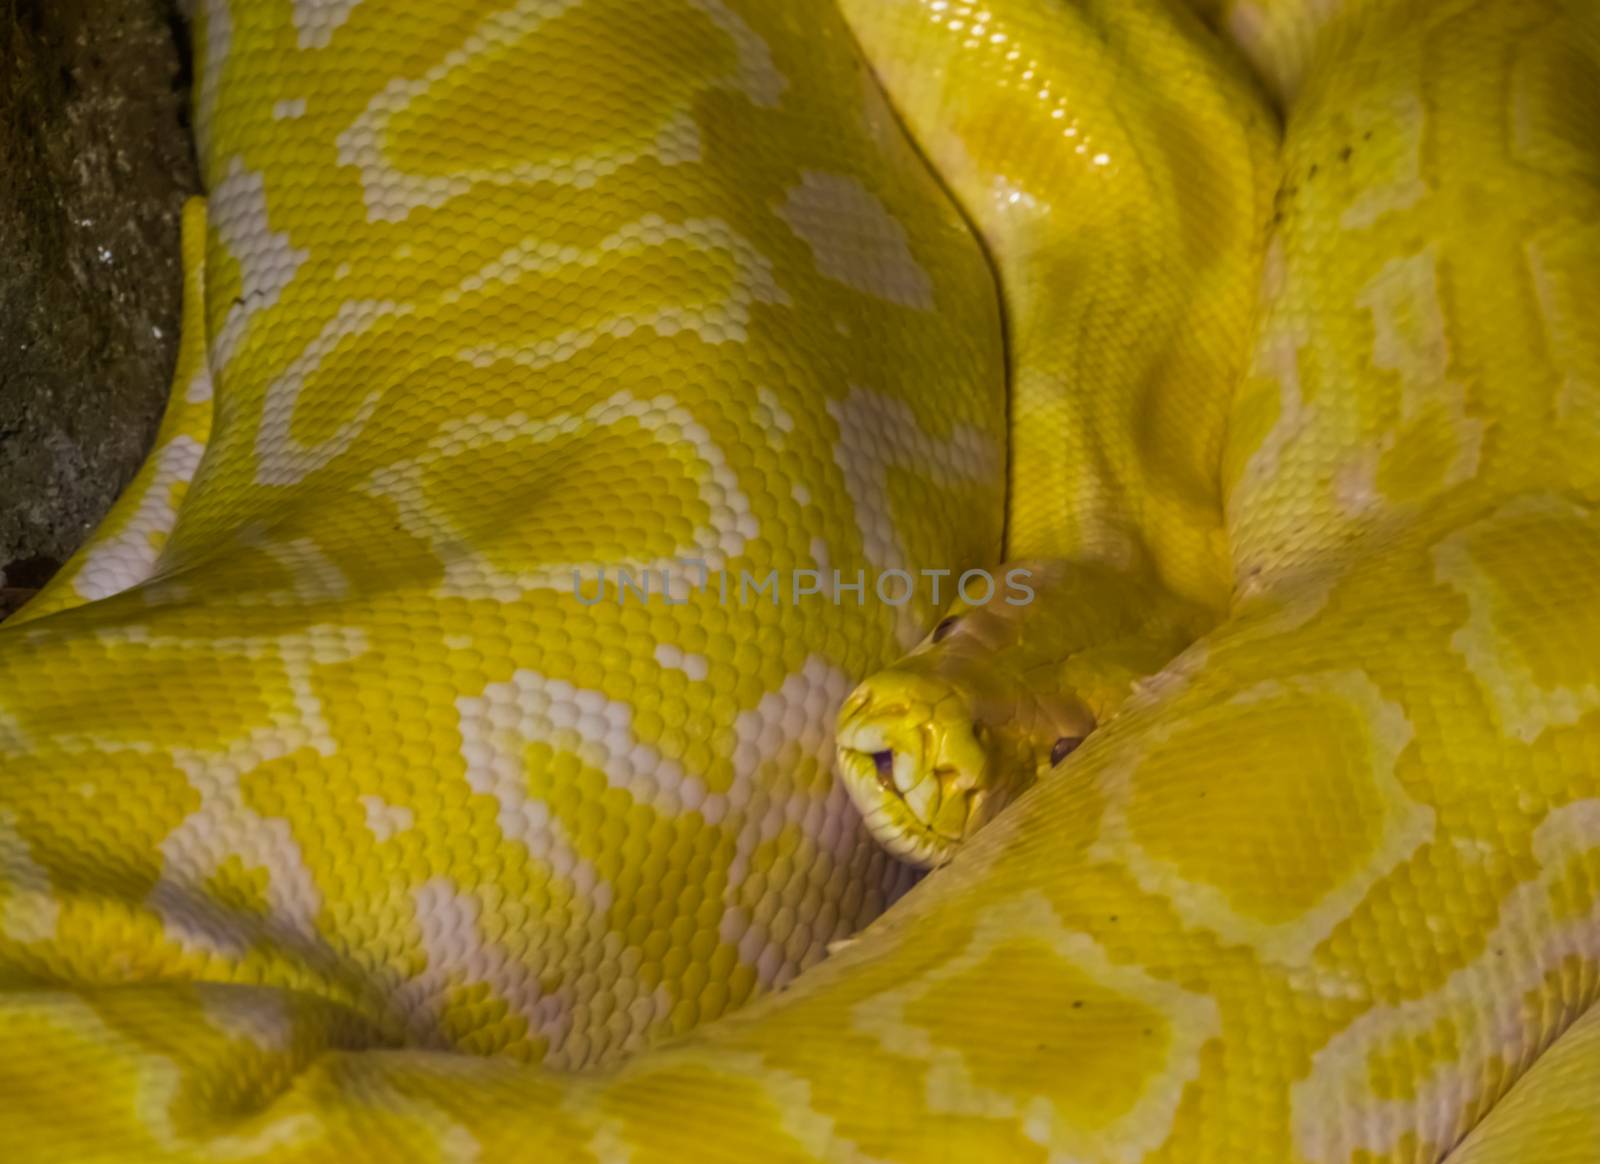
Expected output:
(899, 818)
(883, 762)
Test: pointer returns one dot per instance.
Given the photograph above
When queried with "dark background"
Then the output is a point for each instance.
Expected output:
(95, 164)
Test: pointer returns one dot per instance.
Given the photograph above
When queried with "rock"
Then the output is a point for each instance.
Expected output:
(95, 163)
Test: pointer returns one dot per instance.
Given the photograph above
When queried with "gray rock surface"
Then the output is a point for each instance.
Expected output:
(95, 163)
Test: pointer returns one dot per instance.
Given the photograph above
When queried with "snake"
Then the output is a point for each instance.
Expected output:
(463, 739)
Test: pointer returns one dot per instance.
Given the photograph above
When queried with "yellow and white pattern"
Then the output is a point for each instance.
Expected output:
(337, 821)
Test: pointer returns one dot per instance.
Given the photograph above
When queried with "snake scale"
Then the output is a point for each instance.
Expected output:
(348, 808)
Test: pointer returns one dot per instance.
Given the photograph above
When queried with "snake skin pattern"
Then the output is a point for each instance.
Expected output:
(337, 819)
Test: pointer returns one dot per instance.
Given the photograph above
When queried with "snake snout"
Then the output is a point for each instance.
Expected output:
(913, 760)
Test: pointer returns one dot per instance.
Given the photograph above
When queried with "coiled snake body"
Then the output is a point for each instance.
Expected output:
(342, 808)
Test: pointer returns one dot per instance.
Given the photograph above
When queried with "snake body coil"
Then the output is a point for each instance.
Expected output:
(340, 812)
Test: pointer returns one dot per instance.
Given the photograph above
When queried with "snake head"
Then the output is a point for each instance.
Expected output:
(934, 746)
(916, 764)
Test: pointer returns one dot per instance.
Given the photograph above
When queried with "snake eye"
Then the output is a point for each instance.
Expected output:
(1063, 748)
(884, 763)
(942, 631)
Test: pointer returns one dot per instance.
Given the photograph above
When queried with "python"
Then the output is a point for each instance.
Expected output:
(332, 828)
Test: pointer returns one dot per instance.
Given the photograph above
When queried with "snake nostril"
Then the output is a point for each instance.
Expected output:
(884, 762)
